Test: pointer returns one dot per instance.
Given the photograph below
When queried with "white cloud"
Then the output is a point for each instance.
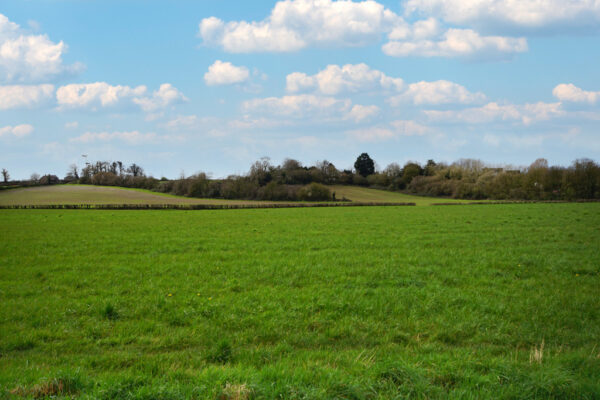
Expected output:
(101, 95)
(296, 24)
(310, 107)
(570, 92)
(530, 14)
(348, 78)
(182, 121)
(437, 92)
(335, 79)
(360, 113)
(30, 58)
(256, 123)
(299, 106)
(458, 43)
(526, 114)
(409, 128)
(397, 128)
(166, 95)
(372, 134)
(132, 137)
(225, 73)
(17, 96)
(72, 125)
(16, 131)
(98, 94)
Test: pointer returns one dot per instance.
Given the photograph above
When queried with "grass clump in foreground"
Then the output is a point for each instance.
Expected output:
(497, 301)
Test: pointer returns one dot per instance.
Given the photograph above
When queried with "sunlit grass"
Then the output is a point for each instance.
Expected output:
(497, 301)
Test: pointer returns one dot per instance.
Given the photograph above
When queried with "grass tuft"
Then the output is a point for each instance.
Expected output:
(222, 353)
(110, 312)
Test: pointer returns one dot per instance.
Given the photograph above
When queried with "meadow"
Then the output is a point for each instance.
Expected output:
(484, 301)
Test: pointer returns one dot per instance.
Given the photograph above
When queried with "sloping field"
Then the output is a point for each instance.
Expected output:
(361, 194)
(88, 194)
(481, 302)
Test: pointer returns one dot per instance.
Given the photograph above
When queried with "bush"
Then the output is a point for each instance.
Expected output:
(314, 192)
(106, 179)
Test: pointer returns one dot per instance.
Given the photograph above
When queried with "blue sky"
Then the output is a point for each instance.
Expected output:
(189, 86)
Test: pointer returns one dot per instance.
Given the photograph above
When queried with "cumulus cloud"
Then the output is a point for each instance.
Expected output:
(306, 106)
(395, 129)
(458, 43)
(17, 131)
(18, 96)
(299, 106)
(30, 58)
(166, 95)
(101, 95)
(296, 24)
(570, 92)
(491, 112)
(437, 92)
(225, 73)
(335, 79)
(527, 14)
(360, 113)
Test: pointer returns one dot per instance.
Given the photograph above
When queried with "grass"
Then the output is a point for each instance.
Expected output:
(495, 302)
(88, 194)
(362, 194)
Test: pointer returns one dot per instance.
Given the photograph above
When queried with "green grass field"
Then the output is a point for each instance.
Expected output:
(494, 301)
(88, 194)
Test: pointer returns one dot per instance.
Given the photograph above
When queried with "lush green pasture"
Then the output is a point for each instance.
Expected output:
(490, 301)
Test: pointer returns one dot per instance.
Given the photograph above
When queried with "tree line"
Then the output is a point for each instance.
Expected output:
(463, 179)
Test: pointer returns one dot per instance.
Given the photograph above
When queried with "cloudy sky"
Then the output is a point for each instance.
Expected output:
(205, 85)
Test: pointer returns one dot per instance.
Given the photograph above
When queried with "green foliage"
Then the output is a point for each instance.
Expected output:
(314, 192)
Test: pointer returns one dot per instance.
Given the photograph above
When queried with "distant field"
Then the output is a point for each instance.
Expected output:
(88, 194)
(360, 194)
(498, 302)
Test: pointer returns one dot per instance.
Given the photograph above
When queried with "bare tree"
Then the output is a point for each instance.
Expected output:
(135, 170)
(73, 171)
(35, 177)
(5, 175)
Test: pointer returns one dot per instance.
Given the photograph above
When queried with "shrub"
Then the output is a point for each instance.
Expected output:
(314, 192)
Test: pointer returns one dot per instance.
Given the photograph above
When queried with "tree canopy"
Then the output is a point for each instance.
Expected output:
(364, 165)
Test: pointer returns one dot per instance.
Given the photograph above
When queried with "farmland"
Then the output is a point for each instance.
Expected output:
(491, 301)
(88, 194)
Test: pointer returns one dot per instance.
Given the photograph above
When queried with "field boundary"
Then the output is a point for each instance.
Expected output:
(478, 203)
(190, 206)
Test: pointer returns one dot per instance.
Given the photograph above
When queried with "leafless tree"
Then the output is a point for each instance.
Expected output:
(5, 175)
(135, 170)
(35, 177)
(73, 171)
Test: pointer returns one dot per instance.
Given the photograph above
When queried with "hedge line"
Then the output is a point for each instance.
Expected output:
(475, 203)
(186, 206)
